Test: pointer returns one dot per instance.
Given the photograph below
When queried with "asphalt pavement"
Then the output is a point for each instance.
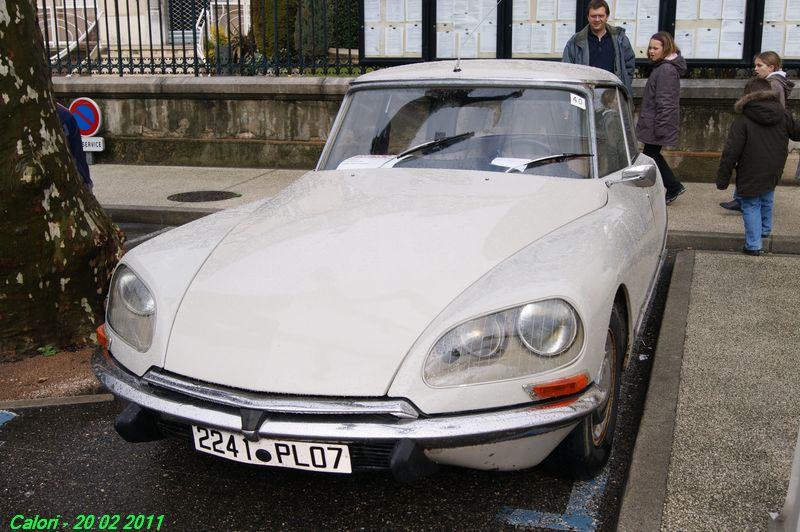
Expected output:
(717, 437)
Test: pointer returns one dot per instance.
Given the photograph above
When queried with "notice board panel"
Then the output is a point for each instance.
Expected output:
(541, 28)
(392, 29)
(467, 28)
(780, 28)
(640, 18)
(710, 29)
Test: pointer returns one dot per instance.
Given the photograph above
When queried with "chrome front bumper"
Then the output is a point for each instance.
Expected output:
(263, 415)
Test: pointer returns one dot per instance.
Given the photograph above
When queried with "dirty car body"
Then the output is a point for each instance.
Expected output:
(458, 282)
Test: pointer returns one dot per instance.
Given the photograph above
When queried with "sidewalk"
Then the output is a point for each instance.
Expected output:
(718, 433)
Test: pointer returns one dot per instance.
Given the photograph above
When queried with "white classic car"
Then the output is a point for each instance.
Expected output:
(458, 282)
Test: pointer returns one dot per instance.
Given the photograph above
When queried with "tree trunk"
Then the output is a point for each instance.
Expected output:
(57, 245)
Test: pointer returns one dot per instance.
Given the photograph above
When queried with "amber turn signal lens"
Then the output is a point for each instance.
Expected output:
(561, 387)
(102, 339)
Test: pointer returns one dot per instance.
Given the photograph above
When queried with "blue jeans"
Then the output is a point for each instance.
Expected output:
(757, 217)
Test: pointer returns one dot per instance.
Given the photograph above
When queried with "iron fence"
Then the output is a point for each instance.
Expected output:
(201, 37)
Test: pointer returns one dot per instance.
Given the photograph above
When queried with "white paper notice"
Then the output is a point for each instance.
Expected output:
(542, 38)
(460, 12)
(445, 44)
(414, 38)
(707, 43)
(772, 38)
(773, 11)
(414, 10)
(521, 39)
(489, 10)
(395, 10)
(522, 10)
(733, 9)
(630, 30)
(684, 39)
(372, 10)
(393, 41)
(645, 28)
(647, 8)
(488, 39)
(564, 30)
(625, 9)
(566, 10)
(711, 9)
(467, 45)
(732, 39)
(372, 41)
(793, 10)
(792, 46)
(686, 10)
(546, 10)
(444, 11)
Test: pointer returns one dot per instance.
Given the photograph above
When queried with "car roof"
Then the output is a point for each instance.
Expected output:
(490, 70)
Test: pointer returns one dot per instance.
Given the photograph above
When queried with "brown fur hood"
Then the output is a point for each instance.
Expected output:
(763, 107)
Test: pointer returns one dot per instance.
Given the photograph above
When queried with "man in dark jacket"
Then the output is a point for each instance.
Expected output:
(602, 45)
(757, 148)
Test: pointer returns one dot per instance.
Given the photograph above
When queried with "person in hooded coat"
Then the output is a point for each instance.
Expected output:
(659, 116)
(767, 65)
(757, 147)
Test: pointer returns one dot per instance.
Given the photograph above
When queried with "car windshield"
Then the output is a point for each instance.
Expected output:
(501, 129)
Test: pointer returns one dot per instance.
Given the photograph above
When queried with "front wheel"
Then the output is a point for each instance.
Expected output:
(588, 446)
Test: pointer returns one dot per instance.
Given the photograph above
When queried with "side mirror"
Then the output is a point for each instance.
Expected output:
(643, 175)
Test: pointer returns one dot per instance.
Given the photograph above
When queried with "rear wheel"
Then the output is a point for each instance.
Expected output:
(588, 446)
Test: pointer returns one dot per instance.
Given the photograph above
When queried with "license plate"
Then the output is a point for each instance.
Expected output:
(310, 456)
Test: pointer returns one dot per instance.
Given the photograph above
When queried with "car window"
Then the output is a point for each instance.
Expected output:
(627, 123)
(611, 153)
(471, 128)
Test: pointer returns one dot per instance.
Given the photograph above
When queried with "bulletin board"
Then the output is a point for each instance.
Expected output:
(467, 28)
(711, 29)
(541, 28)
(392, 29)
(780, 29)
(640, 18)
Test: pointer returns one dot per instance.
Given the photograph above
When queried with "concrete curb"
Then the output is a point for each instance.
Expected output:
(646, 489)
(788, 245)
(56, 401)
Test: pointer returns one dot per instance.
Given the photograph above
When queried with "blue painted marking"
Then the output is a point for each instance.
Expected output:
(6, 416)
(579, 515)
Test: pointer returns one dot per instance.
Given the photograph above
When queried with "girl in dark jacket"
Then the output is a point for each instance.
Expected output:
(659, 117)
(757, 148)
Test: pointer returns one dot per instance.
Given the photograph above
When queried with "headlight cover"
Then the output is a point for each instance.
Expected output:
(521, 341)
(131, 309)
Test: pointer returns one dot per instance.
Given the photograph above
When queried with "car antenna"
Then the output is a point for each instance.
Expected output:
(457, 68)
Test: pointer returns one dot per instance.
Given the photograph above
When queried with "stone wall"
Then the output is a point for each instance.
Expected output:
(283, 122)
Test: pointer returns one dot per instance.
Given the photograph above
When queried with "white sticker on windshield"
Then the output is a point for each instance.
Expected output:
(577, 101)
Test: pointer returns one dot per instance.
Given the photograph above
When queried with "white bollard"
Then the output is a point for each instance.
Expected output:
(789, 518)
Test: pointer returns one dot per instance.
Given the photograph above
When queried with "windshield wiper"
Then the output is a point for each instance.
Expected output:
(435, 145)
(541, 161)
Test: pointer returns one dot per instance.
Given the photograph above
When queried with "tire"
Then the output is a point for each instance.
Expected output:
(587, 448)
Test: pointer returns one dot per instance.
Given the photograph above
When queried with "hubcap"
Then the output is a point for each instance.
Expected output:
(605, 381)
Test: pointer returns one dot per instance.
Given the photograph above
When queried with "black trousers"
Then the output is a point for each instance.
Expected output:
(671, 183)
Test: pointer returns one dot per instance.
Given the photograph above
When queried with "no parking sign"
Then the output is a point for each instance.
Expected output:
(87, 115)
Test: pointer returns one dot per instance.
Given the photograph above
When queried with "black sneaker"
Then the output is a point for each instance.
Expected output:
(753, 252)
(671, 197)
(733, 205)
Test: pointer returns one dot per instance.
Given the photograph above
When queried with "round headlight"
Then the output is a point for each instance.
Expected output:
(481, 338)
(131, 309)
(547, 328)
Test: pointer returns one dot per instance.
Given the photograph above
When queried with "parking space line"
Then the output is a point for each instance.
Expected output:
(577, 516)
(6, 416)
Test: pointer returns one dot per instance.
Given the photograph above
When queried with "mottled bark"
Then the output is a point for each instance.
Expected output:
(57, 245)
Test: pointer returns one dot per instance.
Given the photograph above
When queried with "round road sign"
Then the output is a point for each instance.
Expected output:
(87, 114)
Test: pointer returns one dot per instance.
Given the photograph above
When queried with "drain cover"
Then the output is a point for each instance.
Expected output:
(203, 195)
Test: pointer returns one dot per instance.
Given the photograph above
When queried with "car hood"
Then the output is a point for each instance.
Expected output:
(323, 289)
